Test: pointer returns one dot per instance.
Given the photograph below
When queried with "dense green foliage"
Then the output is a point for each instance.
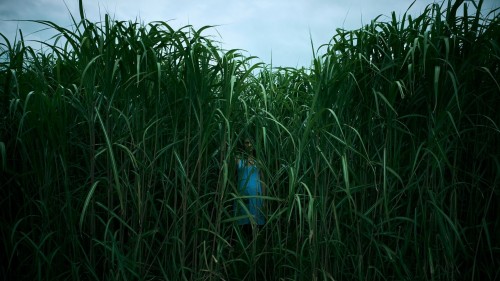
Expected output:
(381, 160)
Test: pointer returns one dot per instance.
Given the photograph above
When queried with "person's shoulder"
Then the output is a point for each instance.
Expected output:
(237, 160)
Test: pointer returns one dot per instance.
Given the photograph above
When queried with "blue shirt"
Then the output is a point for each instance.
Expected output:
(249, 185)
(248, 179)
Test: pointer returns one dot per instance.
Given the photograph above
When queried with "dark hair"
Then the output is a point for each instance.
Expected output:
(248, 137)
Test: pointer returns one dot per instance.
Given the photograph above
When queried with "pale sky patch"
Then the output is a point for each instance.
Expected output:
(264, 28)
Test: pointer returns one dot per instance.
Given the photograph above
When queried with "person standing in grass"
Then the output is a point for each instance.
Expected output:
(249, 184)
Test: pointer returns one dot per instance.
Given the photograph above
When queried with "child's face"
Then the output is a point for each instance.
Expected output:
(248, 145)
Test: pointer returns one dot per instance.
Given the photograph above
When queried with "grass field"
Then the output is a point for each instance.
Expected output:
(381, 159)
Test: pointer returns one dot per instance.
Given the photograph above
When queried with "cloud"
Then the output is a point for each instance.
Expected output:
(280, 27)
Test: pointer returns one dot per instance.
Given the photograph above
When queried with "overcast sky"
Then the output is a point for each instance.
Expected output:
(264, 28)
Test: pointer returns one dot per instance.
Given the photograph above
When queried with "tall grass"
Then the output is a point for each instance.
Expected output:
(380, 160)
